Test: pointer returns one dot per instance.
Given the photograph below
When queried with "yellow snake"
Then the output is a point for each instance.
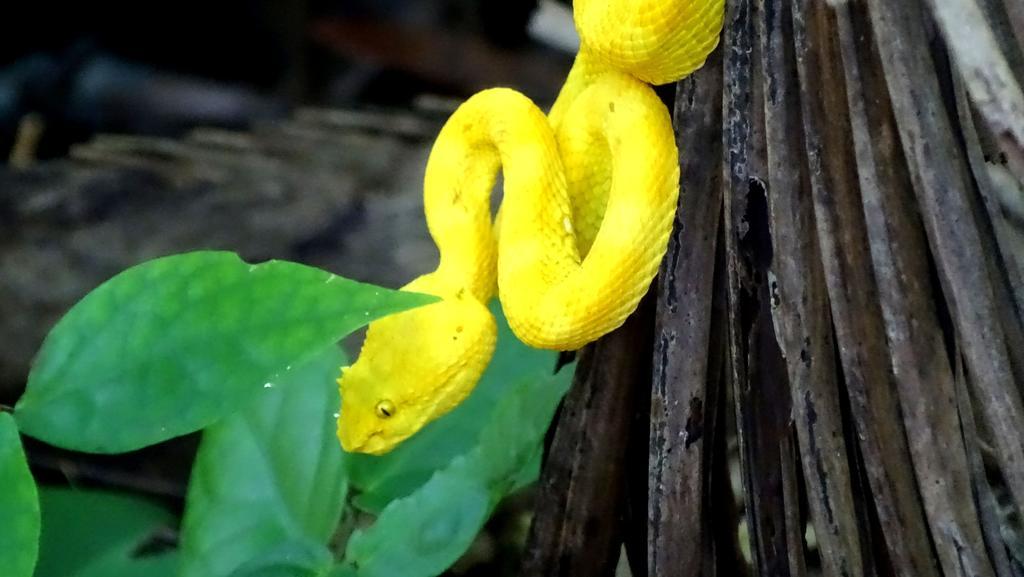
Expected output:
(590, 193)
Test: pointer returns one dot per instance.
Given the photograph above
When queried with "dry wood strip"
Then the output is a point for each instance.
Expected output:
(1006, 18)
(756, 371)
(800, 304)
(1006, 264)
(986, 500)
(637, 466)
(723, 511)
(795, 523)
(854, 299)
(769, 458)
(899, 259)
(1012, 18)
(942, 186)
(682, 431)
(577, 529)
(986, 73)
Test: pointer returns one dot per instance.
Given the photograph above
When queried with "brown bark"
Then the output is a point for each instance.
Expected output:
(872, 255)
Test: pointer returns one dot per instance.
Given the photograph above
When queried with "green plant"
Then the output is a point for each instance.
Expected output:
(248, 354)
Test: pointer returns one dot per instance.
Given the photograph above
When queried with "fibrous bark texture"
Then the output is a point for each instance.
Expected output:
(837, 350)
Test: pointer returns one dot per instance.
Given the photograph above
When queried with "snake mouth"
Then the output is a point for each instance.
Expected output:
(361, 440)
(378, 444)
(372, 445)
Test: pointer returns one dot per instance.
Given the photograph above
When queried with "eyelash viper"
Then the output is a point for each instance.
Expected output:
(590, 193)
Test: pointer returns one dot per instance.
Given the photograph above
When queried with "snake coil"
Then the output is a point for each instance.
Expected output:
(590, 193)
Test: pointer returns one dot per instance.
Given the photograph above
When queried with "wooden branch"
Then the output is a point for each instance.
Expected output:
(683, 409)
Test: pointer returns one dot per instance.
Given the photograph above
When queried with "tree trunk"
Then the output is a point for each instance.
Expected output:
(839, 316)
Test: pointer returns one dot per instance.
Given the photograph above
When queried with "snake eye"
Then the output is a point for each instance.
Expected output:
(385, 409)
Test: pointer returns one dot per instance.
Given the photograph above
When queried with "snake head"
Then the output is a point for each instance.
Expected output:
(414, 367)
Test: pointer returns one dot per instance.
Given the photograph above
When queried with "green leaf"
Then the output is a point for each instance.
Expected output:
(340, 571)
(19, 505)
(380, 479)
(271, 474)
(98, 533)
(281, 570)
(508, 453)
(423, 534)
(292, 559)
(172, 345)
(121, 563)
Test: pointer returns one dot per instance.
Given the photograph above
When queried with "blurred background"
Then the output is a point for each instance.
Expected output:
(160, 68)
(293, 129)
(278, 129)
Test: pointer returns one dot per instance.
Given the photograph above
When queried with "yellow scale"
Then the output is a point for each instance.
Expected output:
(590, 192)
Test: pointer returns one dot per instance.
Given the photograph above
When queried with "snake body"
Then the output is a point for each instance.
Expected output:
(590, 192)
